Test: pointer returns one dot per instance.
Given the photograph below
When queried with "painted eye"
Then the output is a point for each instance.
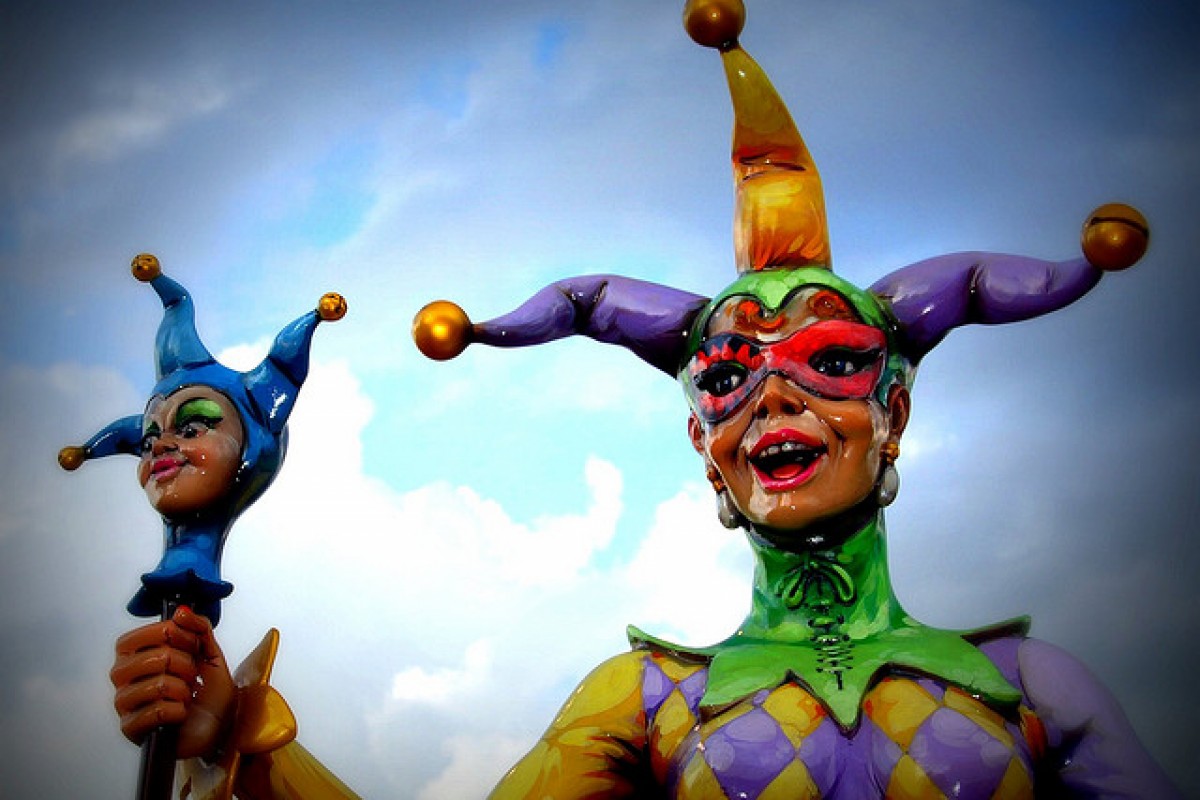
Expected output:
(721, 378)
(147, 443)
(193, 429)
(842, 362)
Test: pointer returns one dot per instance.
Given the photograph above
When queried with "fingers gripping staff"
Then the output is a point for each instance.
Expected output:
(209, 441)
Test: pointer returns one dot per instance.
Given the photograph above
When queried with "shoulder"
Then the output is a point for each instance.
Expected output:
(1060, 688)
(620, 669)
(1090, 738)
(1055, 684)
(613, 686)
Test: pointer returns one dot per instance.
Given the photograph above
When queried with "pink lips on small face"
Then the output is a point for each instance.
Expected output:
(784, 459)
(165, 468)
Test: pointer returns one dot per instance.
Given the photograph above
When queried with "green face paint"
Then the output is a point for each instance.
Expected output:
(199, 409)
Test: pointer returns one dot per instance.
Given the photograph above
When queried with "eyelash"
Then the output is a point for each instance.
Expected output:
(185, 429)
(841, 362)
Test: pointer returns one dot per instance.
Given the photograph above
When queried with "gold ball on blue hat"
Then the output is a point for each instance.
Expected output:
(145, 267)
(331, 307)
(71, 458)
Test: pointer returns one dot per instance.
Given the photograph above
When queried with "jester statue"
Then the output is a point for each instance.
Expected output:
(209, 442)
(798, 384)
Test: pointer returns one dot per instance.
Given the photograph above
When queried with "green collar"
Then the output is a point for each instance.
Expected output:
(829, 620)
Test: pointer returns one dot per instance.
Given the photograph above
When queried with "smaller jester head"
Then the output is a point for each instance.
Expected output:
(209, 441)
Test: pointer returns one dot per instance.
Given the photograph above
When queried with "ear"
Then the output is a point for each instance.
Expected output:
(899, 406)
(696, 432)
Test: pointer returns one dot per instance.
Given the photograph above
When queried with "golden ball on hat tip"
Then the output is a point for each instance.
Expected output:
(331, 307)
(145, 267)
(1115, 236)
(714, 23)
(71, 458)
(441, 330)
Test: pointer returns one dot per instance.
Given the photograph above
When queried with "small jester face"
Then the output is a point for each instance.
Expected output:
(783, 407)
(191, 449)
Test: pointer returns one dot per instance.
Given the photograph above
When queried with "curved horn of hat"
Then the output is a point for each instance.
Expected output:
(275, 383)
(122, 436)
(932, 297)
(779, 216)
(177, 345)
(648, 319)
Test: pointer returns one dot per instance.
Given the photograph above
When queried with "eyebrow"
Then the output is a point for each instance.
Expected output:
(199, 408)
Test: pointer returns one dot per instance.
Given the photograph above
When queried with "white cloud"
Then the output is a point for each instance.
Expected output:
(476, 762)
(417, 684)
(686, 547)
(136, 114)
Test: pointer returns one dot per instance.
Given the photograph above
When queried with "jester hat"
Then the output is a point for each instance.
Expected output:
(781, 245)
(264, 397)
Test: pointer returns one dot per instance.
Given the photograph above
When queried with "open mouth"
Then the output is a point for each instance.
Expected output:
(785, 459)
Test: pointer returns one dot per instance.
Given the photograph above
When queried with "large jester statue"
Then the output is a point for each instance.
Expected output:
(798, 383)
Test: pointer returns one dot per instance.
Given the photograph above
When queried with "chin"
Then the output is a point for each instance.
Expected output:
(790, 528)
(175, 508)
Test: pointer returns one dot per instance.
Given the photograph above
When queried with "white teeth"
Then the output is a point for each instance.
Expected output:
(786, 447)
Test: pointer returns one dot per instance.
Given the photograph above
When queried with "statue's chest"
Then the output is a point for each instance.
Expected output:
(916, 739)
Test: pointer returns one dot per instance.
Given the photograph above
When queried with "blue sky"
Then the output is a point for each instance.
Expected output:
(452, 546)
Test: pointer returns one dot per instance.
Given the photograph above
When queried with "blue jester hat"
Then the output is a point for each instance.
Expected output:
(189, 570)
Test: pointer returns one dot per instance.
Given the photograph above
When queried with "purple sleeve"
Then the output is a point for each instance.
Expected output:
(932, 297)
(1089, 739)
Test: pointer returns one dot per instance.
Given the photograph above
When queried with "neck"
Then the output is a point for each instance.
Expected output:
(826, 595)
(827, 617)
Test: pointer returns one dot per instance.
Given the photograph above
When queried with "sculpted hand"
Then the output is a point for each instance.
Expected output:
(173, 673)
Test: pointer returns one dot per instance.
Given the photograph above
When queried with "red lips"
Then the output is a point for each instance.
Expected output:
(166, 467)
(784, 459)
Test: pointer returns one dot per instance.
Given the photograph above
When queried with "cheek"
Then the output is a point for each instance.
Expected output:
(722, 443)
(143, 470)
(858, 428)
(216, 455)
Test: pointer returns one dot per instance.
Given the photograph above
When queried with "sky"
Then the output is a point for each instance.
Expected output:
(452, 546)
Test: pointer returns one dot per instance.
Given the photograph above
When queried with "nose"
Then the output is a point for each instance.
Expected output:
(779, 397)
(163, 443)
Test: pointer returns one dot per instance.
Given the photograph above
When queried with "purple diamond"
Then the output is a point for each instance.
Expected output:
(960, 757)
(748, 753)
(882, 751)
(692, 688)
(936, 690)
(655, 688)
(820, 752)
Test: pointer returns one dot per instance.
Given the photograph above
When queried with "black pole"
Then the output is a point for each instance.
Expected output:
(156, 773)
